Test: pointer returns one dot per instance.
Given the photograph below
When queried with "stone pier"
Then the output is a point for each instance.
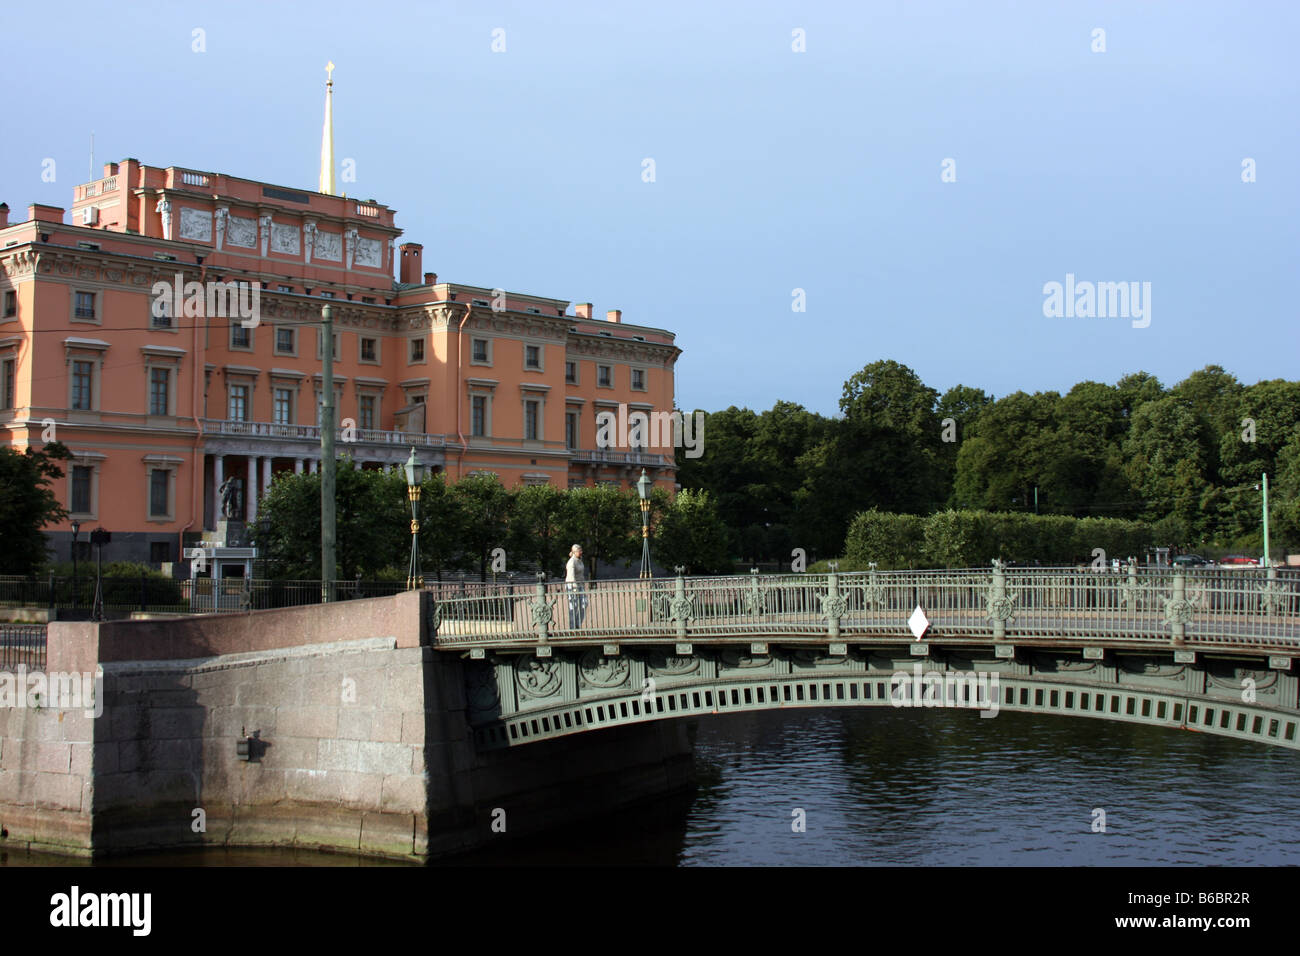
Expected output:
(356, 733)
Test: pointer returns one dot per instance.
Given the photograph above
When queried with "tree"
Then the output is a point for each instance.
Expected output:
(372, 522)
(537, 526)
(28, 504)
(485, 506)
(442, 525)
(603, 520)
(691, 534)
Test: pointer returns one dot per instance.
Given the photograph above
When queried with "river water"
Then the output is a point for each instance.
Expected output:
(851, 787)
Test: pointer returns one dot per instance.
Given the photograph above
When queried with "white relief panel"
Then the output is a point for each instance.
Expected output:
(329, 246)
(241, 232)
(284, 238)
(196, 224)
(370, 253)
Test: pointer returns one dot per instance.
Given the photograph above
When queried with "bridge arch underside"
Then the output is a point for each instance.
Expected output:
(516, 699)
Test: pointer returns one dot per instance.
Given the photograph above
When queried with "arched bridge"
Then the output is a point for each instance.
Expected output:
(1208, 651)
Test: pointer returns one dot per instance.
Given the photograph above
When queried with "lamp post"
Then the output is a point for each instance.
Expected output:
(1267, 562)
(414, 476)
(643, 486)
(76, 528)
(99, 537)
(327, 462)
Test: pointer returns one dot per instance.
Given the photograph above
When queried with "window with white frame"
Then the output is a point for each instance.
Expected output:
(286, 340)
(83, 305)
(237, 404)
(417, 352)
(282, 406)
(240, 337)
(532, 424)
(533, 358)
(481, 352)
(638, 380)
(8, 372)
(366, 410)
(604, 376)
(83, 384)
(160, 386)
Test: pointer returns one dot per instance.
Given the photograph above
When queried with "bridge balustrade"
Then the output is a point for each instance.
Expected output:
(1223, 607)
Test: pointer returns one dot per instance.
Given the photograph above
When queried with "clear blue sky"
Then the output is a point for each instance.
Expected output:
(775, 170)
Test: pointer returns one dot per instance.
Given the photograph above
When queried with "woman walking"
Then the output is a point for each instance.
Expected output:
(575, 582)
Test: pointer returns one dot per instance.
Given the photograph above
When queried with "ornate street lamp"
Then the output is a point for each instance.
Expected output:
(643, 486)
(414, 477)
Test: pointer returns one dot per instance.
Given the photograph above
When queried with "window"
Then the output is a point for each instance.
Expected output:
(238, 406)
(327, 295)
(284, 341)
(478, 427)
(159, 389)
(320, 340)
(240, 337)
(571, 373)
(417, 351)
(480, 353)
(369, 350)
(638, 379)
(80, 503)
(85, 305)
(366, 404)
(11, 304)
(160, 552)
(284, 288)
(160, 313)
(7, 383)
(530, 420)
(571, 430)
(283, 406)
(81, 385)
(604, 377)
(417, 399)
(159, 493)
(532, 356)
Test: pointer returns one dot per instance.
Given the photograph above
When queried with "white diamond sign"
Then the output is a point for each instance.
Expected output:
(918, 622)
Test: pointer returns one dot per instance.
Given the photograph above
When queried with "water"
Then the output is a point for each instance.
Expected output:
(930, 787)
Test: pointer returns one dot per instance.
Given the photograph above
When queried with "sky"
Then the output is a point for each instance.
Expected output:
(773, 169)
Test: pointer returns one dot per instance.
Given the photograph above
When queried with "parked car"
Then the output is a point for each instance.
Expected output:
(1191, 561)
(1238, 561)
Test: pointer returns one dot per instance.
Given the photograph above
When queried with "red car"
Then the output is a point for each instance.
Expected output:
(1238, 561)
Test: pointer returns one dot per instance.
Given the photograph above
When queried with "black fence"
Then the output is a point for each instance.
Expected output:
(22, 644)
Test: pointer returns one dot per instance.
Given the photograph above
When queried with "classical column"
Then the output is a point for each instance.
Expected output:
(251, 511)
(218, 476)
(266, 473)
(297, 466)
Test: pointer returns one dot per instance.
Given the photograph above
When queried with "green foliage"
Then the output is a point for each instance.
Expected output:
(603, 520)
(485, 507)
(537, 524)
(28, 504)
(372, 523)
(691, 534)
(893, 541)
(120, 582)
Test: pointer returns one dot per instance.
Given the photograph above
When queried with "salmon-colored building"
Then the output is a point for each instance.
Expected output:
(163, 393)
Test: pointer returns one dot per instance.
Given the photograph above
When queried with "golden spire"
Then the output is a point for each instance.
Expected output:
(327, 136)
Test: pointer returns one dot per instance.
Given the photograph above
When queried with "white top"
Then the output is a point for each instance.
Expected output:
(575, 572)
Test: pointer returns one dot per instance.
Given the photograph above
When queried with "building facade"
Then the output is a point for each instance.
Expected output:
(170, 335)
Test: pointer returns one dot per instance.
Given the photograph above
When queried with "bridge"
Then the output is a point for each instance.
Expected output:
(1208, 651)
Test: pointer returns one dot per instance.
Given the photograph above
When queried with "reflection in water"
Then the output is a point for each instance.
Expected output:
(931, 787)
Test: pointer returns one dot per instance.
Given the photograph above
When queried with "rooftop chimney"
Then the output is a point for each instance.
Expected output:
(412, 263)
(431, 278)
(110, 169)
(583, 310)
(42, 213)
(4, 214)
(614, 315)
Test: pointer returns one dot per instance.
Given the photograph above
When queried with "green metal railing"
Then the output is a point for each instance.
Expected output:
(1253, 608)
